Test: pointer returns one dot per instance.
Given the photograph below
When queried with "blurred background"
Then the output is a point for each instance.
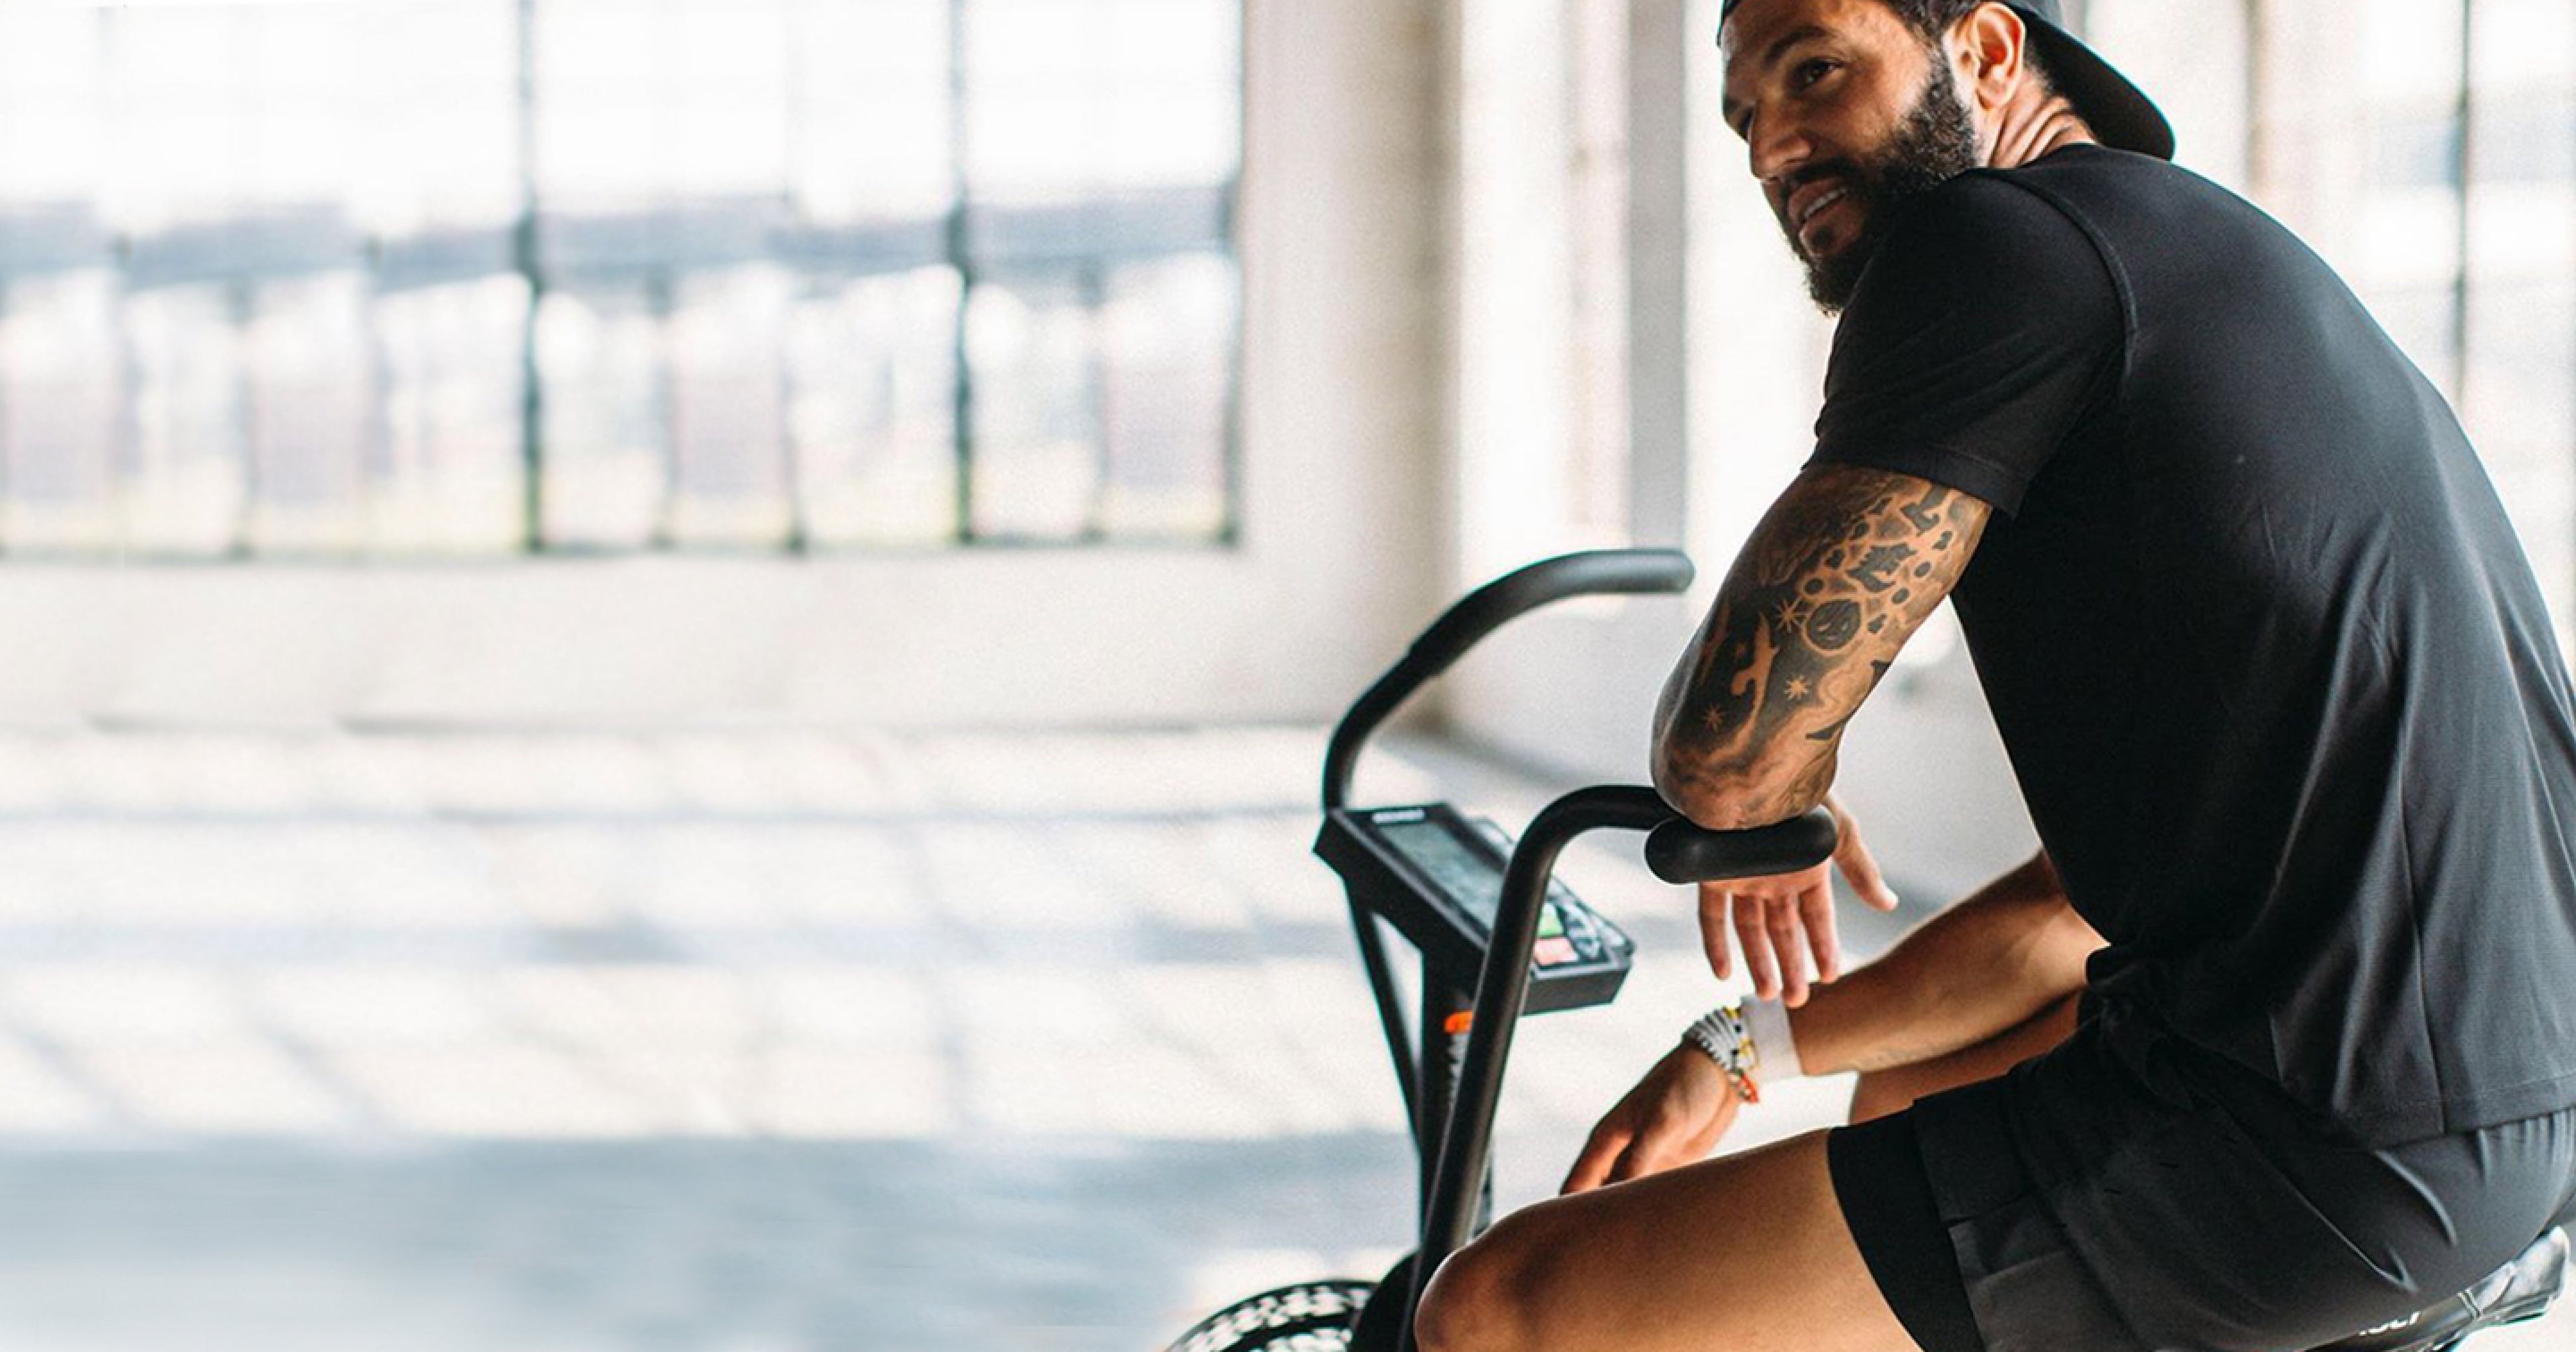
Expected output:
(664, 659)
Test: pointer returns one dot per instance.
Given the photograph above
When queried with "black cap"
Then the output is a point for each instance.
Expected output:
(2120, 115)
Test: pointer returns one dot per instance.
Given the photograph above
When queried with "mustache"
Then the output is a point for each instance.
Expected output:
(1855, 182)
(1830, 169)
(1846, 170)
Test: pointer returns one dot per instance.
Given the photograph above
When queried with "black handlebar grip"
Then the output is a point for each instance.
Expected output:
(1680, 852)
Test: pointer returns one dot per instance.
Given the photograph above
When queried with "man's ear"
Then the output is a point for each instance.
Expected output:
(1988, 45)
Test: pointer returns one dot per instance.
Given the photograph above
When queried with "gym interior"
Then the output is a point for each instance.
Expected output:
(668, 659)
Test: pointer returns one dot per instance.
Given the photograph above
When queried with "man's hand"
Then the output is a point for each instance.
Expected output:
(1674, 1116)
(1772, 915)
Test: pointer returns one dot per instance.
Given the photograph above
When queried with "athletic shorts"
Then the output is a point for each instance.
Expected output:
(2071, 1204)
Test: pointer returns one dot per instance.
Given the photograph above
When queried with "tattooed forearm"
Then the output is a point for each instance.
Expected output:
(1848, 563)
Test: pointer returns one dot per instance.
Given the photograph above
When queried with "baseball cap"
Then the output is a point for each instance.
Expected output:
(2121, 116)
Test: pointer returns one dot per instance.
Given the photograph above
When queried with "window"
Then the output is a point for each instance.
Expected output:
(478, 277)
(1542, 280)
(2429, 151)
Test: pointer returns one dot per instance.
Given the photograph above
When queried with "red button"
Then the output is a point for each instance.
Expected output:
(1551, 952)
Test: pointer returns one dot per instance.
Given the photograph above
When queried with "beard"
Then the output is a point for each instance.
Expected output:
(1936, 142)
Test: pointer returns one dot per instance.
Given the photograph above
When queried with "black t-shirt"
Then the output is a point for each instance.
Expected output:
(2272, 670)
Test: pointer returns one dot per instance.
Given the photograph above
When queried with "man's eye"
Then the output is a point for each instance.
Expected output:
(1812, 71)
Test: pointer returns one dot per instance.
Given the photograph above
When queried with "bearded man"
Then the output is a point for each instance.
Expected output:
(2271, 1046)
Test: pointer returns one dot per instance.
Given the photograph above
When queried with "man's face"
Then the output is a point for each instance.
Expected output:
(1848, 112)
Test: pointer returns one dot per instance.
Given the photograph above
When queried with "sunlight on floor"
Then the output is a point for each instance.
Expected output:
(771, 1040)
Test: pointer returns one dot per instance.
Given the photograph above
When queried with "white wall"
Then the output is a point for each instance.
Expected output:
(1343, 374)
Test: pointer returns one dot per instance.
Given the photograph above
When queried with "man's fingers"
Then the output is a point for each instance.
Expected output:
(1752, 935)
(1592, 1167)
(1647, 1154)
(1816, 911)
(1860, 869)
(1781, 920)
(1712, 930)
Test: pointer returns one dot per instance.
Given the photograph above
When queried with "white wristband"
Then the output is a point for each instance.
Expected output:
(1766, 1024)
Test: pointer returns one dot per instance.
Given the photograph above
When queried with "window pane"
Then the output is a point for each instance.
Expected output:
(445, 118)
(600, 124)
(874, 412)
(451, 478)
(53, 78)
(2360, 118)
(267, 273)
(874, 124)
(1065, 97)
(1033, 139)
(2519, 395)
(2522, 409)
(1173, 81)
(189, 481)
(728, 87)
(60, 411)
(727, 411)
(2190, 55)
(178, 151)
(1191, 42)
(307, 91)
(1167, 334)
(311, 401)
(607, 444)
(1032, 351)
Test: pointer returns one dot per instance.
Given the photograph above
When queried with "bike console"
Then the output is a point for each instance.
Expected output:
(1437, 876)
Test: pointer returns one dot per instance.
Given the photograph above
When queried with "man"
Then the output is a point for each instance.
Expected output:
(2271, 1046)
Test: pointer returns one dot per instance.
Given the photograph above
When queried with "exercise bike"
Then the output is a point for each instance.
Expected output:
(1498, 937)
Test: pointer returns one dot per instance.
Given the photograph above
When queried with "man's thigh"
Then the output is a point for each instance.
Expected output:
(1747, 1252)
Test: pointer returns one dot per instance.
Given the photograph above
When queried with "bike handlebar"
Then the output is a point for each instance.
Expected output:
(1681, 852)
(1600, 572)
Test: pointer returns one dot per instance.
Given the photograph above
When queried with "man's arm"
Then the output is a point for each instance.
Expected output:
(1971, 973)
(1841, 571)
(1967, 976)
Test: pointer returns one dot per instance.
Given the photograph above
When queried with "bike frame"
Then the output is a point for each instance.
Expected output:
(1452, 1086)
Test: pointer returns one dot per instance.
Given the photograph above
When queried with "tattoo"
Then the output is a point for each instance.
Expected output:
(1846, 566)
(1875, 568)
(1834, 625)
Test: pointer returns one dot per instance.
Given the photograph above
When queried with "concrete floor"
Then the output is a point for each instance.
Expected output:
(734, 1042)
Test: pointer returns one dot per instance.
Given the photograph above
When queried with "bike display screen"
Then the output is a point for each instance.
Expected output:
(1468, 876)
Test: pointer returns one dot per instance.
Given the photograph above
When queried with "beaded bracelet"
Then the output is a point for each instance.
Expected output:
(1722, 1034)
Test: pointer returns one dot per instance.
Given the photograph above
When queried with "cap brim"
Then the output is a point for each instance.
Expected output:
(2120, 114)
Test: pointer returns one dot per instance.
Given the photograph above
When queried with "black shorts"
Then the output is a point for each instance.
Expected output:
(2069, 1204)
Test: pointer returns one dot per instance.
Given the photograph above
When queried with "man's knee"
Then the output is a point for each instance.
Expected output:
(1486, 1297)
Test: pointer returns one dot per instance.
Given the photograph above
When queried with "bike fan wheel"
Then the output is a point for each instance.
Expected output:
(1307, 1317)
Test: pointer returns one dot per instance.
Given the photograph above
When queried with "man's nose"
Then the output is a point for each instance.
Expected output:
(1776, 146)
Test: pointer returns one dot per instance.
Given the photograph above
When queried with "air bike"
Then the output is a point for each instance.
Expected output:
(1497, 937)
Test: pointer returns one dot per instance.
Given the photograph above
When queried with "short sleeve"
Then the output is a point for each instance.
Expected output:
(1981, 333)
